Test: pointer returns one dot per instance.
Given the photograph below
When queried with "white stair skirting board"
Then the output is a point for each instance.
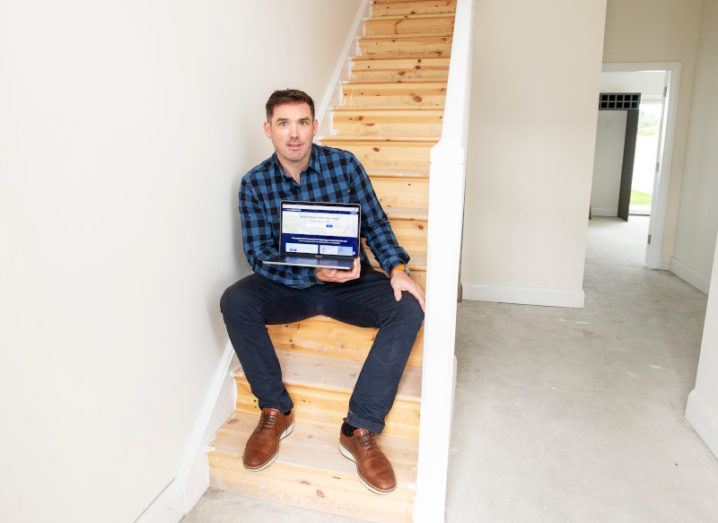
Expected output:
(598, 211)
(192, 479)
(524, 295)
(690, 275)
(703, 420)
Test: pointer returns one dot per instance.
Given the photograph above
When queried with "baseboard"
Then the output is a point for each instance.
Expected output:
(524, 295)
(166, 507)
(598, 211)
(703, 420)
(690, 275)
(333, 92)
(192, 479)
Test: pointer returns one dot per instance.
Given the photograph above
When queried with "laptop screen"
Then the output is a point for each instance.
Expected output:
(320, 229)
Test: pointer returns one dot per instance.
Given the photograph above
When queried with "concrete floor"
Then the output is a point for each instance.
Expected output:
(569, 414)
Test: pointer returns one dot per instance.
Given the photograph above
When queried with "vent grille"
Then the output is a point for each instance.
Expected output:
(618, 101)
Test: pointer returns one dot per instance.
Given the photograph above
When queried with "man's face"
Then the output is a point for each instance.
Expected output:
(292, 130)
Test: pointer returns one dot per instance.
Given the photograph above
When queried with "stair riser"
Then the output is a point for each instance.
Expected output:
(408, 101)
(435, 47)
(329, 407)
(333, 339)
(389, 156)
(443, 26)
(402, 192)
(338, 493)
(400, 64)
(365, 124)
(411, 75)
(413, 8)
(411, 234)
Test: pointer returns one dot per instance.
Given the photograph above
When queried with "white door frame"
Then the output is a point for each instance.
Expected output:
(654, 259)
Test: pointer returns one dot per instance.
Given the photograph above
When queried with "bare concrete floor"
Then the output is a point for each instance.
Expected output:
(569, 415)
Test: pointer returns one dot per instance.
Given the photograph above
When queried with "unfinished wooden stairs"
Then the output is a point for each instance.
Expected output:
(390, 117)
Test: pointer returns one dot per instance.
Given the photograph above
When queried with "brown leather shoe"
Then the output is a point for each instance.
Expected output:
(263, 445)
(373, 466)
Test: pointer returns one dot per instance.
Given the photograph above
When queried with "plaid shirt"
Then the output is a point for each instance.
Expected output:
(333, 176)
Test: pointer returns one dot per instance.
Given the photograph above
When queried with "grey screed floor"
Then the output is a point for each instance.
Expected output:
(569, 414)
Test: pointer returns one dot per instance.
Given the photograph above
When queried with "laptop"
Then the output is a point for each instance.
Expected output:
(322, 235)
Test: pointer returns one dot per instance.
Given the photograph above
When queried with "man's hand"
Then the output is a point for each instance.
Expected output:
(401, 281)
(339, 275)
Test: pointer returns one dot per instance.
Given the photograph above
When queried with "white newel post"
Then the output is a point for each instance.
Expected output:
(446, 212)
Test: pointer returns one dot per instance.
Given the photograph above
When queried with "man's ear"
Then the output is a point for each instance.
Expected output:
(267, 127)
(315, 124)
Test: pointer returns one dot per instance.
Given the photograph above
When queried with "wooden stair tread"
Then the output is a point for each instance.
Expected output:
(380, 9)
(390, 57)
(427, 84)
(416, 37)
(381, 111)
(406, 213)
(315, 446)
(338, 374)
(379, 142)
(398, 173)
(417, 16)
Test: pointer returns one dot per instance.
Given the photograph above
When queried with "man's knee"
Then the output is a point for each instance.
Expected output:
(409, 310)
(238, 297)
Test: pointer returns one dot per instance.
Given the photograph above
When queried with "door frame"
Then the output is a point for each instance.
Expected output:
(657, 221)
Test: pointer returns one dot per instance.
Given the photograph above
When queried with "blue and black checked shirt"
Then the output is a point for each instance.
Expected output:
(333, 176)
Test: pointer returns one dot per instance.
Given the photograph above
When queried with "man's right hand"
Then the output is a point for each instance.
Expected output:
(339, 275)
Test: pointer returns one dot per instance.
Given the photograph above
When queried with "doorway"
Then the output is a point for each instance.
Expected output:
(634, 141)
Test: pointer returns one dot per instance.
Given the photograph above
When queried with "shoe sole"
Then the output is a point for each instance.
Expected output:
(347, 454)
(264, 465)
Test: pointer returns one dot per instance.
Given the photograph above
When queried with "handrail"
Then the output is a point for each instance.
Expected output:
(446, 210)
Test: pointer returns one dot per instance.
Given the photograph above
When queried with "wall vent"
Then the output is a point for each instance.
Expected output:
(618, 101)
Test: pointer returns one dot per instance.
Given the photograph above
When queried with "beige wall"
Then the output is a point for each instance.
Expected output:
(659, 31)
(125, 129)
(532, 137)
(698, 214)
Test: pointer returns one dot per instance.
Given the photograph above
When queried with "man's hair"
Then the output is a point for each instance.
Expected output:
(288, 96)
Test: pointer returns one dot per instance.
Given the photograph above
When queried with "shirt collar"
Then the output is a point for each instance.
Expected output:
(314, 163)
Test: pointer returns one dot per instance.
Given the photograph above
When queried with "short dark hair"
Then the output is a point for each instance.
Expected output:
(288, 96)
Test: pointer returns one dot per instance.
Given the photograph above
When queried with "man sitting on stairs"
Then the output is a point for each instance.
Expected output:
(302, 171)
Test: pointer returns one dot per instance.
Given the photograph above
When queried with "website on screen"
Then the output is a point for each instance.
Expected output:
(320, 230)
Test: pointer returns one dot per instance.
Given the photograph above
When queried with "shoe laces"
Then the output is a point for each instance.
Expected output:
(367, 440)
(267, 420)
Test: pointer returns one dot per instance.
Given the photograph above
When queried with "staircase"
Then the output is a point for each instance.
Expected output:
(390, 117)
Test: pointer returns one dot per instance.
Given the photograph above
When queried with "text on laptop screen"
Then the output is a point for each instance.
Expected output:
(319, 229)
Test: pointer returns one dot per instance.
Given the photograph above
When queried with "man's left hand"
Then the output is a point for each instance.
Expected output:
(401, 281)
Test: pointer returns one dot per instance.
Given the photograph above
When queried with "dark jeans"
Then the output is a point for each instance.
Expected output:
(368, 301)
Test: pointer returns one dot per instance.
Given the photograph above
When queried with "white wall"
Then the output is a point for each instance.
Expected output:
(649, 83)
(608, 162)
(698, 215)
(125, 129)
(702, 408)
(532, 138)
(659, 31)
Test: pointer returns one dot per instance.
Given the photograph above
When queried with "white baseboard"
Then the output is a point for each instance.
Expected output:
(166, 507)
(192, 479)
(690, 275)
(333, 92)
(524, 295)
(703, 420)
(598, 211)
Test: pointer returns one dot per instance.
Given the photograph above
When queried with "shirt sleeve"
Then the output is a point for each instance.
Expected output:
(260, 243)
(375, 225)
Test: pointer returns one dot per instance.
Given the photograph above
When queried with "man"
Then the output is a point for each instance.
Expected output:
(302, 171)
